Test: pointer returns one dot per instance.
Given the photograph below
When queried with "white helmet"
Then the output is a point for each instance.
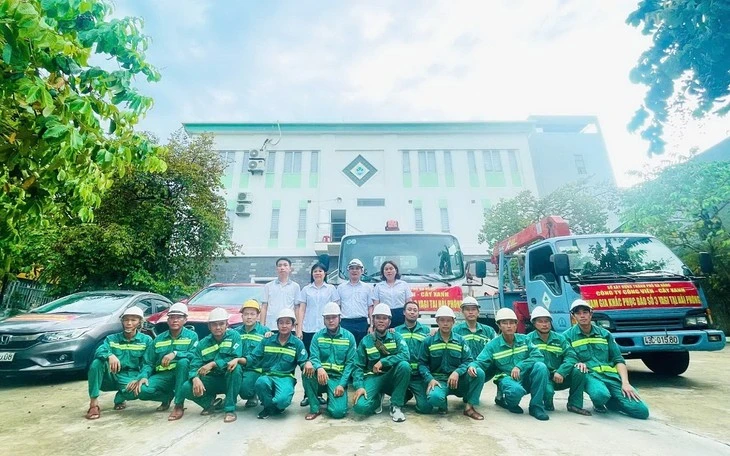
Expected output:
(382, 309)
(469, 301)
(505, 314)
(540, 311)
(445, 311)
(579, 303)
(354, 262)
(331, 308)
(178, 309)
(287, 313)
(133, 311)
(217, 314)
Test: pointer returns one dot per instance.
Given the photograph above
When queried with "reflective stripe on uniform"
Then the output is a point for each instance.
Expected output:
(444, 346)
(210, 349)
(254, 337)
(164, 343)
(280, 350)
(169, 367)
(127, 346)
(605, 368)
(326, 340)
(589, 340)
(181, 341)
(410, 335)
(474, 337)
(414, 366)
(550, 348)
(226, 344)
(510, 352)
(387, 345)
(333, 366)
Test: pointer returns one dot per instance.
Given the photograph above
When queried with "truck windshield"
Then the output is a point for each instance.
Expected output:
(628, 256)
(418, 256)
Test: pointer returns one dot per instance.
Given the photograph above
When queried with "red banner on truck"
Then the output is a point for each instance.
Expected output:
(617, 296)
(430, 299)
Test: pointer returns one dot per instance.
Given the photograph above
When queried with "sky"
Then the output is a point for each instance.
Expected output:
(403, 60)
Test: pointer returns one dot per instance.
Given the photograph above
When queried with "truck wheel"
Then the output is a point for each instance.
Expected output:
(667, 363)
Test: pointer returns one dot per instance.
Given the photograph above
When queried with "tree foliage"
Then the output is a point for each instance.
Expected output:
(153, 231)
(689, 61)
(67, 126)
(585, 208)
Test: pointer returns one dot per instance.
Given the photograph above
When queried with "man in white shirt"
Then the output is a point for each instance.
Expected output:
(355, 298)
(279, 294)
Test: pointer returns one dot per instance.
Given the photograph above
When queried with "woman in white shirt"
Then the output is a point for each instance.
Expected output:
(392, 291)
(311, 302)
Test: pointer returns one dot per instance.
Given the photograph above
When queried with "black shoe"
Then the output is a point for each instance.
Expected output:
(539, 414)
(218, 404)
(321, 400)
(251, 403)
(600, 408)
(501, 402)
(304, 403)
(549, 406)
(263, 414)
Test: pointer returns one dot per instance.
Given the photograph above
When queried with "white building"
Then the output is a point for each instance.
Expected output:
(323, 180)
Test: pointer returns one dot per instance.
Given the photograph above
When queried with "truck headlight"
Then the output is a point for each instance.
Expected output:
(695, 320)
(605, 324)
(58, 336)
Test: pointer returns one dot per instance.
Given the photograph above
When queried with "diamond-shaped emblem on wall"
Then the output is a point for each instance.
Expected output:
(359, 170)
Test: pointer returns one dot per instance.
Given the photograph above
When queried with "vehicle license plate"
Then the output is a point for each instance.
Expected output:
(661, 340)
(7, 356)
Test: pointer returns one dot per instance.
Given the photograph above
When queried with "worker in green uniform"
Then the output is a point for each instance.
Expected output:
(599, 357)
(252, 333)
(444, 359)
(166, 361)
(560, 360)
(382, 367)
(519, 366)
(332, 354)
(278, 356)
(475, 334)
(211, 372)
(414, 333)
(118, 363)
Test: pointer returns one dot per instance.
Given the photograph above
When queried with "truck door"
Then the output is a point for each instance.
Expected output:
(544, 288)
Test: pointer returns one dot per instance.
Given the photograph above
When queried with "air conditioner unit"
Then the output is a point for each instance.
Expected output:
(242, 210)
(244, 197)
(256, 166)
(256, 153)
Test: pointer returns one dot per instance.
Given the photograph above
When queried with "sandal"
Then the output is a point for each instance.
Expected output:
(208, 411)
(473, 414)
(230, 417)
(579, 411)
(311, 416)
(120, 406)
(176, 414)
(94, 413)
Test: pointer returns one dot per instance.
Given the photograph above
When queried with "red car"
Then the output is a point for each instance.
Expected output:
(229, 296)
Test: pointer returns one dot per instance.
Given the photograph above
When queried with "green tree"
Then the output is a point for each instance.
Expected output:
(584, 207)
(153, 231)
(67, 127)
(689, 61)
(687, 206)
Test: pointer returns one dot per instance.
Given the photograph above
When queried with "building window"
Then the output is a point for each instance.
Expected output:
(244, 165)
(227, 157)
(406, 162)
(314, 162)
(514, 165)
(271, 162)
(274, 230)
(492, 161)
(292, 162)
(426, 161)
(580, 164)
(302, 231)
(444, 220)
(448, 165)
(418, 213)
(471, 159)
(371, 202)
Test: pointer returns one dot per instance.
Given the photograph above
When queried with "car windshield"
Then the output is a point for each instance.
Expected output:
(82, 303)
(228, 296)
(417, 255)
(621, 256)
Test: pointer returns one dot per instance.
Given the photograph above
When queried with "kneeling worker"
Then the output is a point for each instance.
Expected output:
(415, 333)
(444, 360)
(381, 368)
(560, 360)
(252, 333)
(210, 372)
(519, 366)
(332, 354)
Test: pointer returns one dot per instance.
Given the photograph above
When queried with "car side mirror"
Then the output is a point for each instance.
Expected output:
(480, 269)
(561, 264)
(706, 265)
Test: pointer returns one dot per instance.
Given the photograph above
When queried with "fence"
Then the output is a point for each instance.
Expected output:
(25, 295)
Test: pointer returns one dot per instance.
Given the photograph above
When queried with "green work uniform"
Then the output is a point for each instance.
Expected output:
(560, 358)
(277, 361)
(131, 360)
(414, 337)
(335, 353)
(439, 359)
(249, 341)
(503, 357)
(477, 340)
(219, 380)
(394, 377)
(165, 381)
(600, 353)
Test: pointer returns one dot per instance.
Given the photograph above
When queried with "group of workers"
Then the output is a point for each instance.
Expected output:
(404, 361)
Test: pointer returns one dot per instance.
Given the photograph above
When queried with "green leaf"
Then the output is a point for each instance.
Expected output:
(56, 131)
(7, 53)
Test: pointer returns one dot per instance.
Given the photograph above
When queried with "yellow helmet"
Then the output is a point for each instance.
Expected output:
(251, 304)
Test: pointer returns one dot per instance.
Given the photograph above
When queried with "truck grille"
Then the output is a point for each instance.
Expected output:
(649, 324)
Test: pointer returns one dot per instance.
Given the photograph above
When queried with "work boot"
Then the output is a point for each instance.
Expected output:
(539, 413)
(304, 402)
(251, 403)
(321, 400)
(502, 403)
(600, 408)
(379, 409)
(397, 414)
(265, 413)
(549, 405)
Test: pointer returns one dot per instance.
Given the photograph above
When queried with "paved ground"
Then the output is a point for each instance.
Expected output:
(689, 416)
